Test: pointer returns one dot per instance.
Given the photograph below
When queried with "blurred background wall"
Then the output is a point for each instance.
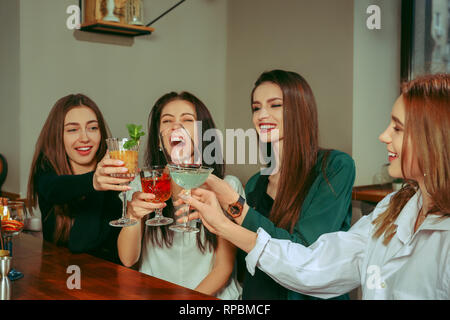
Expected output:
(214, 48)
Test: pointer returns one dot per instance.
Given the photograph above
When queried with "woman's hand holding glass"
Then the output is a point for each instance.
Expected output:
(103, 179)
(140, 206)
(207, 208)
(185, 165)
(224, 193)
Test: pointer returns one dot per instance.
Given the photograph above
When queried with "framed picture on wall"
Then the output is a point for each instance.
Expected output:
(425, 37)
(96, 10)
(92, 10)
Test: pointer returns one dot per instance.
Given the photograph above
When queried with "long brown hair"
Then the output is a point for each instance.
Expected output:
(427, 134)
(300, 146)
(50, 154)
(153, 156)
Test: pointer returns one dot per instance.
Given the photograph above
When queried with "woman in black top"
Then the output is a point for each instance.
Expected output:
(75, 200)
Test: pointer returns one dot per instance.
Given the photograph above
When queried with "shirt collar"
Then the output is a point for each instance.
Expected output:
(436, 222)
(407, 219)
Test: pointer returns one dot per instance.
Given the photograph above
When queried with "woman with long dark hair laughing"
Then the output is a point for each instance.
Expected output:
(201, 261)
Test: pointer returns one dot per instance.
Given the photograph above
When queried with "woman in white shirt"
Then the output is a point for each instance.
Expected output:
(200, 261)
(402, 249)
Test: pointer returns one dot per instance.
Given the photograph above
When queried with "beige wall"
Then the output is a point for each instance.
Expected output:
(376, 81)
(10, 132)
(124, 76)
(214, 48)
(313, 38)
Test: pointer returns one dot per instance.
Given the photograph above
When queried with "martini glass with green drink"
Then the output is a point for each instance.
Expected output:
(184, 166)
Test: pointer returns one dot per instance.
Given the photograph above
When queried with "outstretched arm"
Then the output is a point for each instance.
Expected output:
(328, 268)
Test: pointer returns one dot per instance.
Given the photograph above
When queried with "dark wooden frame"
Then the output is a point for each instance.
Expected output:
(119, 28)
(116, 28)
(407, 36)
(100, 26)
(408, 9)
(3, 170)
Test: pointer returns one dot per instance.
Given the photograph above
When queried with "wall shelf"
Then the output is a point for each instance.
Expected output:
(120, 29)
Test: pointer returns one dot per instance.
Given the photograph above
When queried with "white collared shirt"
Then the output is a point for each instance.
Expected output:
(412, 266)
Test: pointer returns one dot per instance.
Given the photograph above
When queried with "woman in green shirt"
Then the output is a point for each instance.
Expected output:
(307, 193)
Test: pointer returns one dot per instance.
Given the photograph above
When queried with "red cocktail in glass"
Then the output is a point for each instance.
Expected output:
(156, 180)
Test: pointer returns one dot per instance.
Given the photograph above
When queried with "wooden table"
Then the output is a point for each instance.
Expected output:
(372, 193)
(45, 267)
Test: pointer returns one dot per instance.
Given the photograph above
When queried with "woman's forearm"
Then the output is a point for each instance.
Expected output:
(129, 244)
(222, 269)
(215, 280)
(239, 236)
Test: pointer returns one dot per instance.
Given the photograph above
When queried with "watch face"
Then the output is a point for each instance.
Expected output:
(235, 210)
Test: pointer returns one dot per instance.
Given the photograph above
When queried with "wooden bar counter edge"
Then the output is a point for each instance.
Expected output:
(54, 273)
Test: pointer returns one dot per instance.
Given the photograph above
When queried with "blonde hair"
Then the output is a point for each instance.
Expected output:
(427, 127)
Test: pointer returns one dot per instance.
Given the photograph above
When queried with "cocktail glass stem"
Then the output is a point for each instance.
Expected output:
(124, 221)
(187, 193)
(158, 213)
(124, 205)
(184, 227)
(159, 219)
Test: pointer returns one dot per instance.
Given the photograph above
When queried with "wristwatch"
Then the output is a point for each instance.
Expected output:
(235, 209)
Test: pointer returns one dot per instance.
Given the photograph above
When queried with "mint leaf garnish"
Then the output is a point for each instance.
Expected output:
(129, 144)
(135, 132)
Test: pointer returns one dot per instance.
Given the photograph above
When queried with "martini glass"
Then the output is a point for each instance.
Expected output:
(188, 177)
(12, 215)
(184, 165)
(130, 158)
(156, 180)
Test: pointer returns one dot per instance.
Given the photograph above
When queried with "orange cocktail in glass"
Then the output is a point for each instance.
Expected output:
(129, 155)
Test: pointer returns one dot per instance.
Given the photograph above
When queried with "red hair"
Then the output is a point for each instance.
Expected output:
(427, 128)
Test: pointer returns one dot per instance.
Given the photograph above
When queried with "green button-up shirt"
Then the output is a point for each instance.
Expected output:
(326, 208)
